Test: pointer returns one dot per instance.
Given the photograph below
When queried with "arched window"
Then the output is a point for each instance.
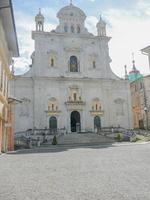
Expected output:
(96, 107)
(72, 29)
(141, 85)
(52, 62)
(73, 64)
(78, 29)
(75, 96)
(66, 28)
(52, 106)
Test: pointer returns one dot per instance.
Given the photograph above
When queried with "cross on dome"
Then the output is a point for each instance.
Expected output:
(132, 56)
(71, 2)
(133, 61)
(100, 17)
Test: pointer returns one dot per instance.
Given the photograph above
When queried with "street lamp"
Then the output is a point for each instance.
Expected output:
(146, 113)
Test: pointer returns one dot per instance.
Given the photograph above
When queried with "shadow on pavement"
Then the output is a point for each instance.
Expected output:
(60, 148)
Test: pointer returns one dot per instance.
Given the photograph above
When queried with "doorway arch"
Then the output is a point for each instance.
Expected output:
(75, 121)
(97, 122)
(53, 123)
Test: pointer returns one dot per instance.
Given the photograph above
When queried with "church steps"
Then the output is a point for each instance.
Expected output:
(87, 138)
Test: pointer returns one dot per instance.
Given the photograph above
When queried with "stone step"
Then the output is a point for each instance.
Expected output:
(84, 139)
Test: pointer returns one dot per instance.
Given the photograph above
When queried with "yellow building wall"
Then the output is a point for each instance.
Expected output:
(5, 75)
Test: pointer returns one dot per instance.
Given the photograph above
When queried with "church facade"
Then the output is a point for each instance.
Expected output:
(70, 83)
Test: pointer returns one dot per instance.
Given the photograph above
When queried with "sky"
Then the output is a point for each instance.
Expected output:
(128, 24)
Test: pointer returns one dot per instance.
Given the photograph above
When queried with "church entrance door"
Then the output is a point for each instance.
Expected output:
(53, 123)
(75, 122)
(97, 123)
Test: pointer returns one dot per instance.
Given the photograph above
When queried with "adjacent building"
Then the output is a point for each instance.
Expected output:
(8, 49)
(70, 83)
(140, 93)
(146, 51)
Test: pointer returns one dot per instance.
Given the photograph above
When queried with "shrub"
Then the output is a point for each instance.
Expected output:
(147, 139)
(136, 138)
(119, 137)
(54, 142)
(133, 139)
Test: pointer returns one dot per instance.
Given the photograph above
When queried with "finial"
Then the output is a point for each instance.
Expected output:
(39, 10)
(133, 61)
(70, 2)
(126, 74)
(100, 17)
(133, 55)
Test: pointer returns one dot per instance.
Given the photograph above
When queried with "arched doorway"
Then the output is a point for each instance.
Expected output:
(97, 123)
(53, 123)
(75, 121)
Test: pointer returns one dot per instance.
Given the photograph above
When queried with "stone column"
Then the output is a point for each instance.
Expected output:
(68, 125)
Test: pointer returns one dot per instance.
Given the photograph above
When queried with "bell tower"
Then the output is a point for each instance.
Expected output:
(39, 19)
(101, 27)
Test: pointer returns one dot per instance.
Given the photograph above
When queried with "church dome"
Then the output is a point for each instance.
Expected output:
(72, 12)
(71, 20)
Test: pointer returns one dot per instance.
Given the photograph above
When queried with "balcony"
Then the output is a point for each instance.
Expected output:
(75, 104)
(96, 112)
(79, 102)
(53, 112)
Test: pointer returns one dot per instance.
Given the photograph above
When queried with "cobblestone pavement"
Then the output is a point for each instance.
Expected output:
(85, 173)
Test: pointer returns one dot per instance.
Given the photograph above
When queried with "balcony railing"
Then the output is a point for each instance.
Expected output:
(75, 102)
(97, 112)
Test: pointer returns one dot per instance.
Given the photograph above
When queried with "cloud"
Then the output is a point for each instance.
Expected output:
(25, 25)
(91, 22)
(129, 32)
(127, 27)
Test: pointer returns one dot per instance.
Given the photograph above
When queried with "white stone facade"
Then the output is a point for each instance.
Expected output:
(71, 72)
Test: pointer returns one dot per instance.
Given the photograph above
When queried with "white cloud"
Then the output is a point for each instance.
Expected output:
(129, 30)
(25, 25)
(91, 22)
(130, 33)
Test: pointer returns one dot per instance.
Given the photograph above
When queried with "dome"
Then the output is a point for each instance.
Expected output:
(71, 20)
(71, 11)
(134, 74)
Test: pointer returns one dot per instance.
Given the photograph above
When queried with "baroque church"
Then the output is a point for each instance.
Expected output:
(70, 83)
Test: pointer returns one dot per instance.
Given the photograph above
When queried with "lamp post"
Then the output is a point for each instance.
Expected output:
(146, 113)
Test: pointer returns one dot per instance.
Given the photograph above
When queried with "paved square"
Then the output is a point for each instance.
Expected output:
(85, 173)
